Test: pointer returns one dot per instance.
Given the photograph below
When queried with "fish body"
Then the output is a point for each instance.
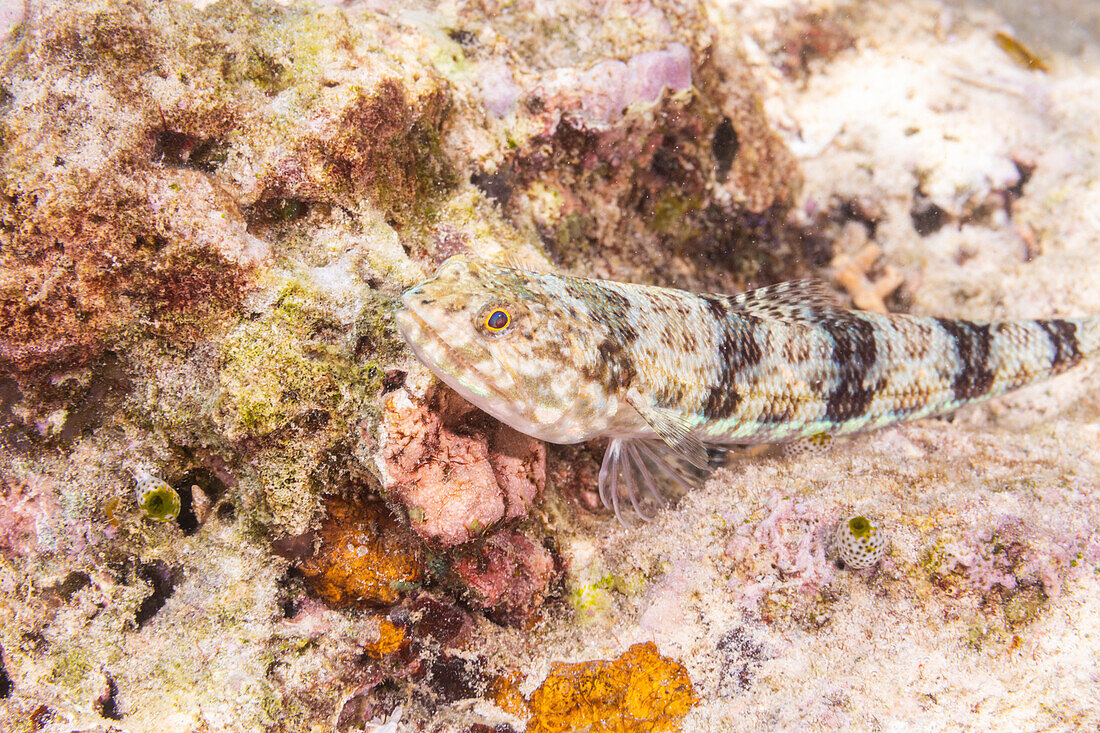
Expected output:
(673, 377)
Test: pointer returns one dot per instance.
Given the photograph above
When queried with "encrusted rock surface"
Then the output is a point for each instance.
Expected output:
(208, 210)
(455, 480)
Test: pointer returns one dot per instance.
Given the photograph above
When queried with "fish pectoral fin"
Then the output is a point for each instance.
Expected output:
(673, 429)
(644, 475)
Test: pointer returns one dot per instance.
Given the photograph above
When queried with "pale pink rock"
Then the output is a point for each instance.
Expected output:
(519, 464)
(602, 90)
(456, 485)
(788, 544)
(651, 72)
(11, 15)
(499, 91)
(600, 93)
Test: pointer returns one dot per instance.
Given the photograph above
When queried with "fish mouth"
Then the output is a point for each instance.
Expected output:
(445, 361)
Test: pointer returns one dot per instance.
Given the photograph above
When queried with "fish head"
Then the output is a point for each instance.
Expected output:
(501, 338)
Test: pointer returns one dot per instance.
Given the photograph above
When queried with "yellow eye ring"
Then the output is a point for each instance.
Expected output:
(497, 320)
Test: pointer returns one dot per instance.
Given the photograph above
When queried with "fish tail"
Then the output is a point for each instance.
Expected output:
(1089, 337)
(1030, 351)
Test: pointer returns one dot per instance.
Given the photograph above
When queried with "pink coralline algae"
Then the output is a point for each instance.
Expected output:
(788, 543)
(23, 507)
(508, 575)
(600, 93)
(456, 483)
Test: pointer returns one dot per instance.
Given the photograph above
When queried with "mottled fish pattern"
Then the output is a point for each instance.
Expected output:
(670, 376)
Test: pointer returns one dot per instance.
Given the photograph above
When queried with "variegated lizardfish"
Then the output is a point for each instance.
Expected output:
(674, 378)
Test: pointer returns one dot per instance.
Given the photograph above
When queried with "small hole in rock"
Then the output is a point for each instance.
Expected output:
(6, 684)
(68, 587)
(1025, 171)
(227, 512)
(462, 37)
(183, 150)
(497, 186)
(724, 145)
(291, 590)
(163, 580)
(105, 704)
(198, 489)
(278, 211)
(928, 218)
(454, 678)
(393, 380)
(187, 519)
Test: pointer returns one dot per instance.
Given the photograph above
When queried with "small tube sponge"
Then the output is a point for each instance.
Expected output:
(860, 542)
(156, 499)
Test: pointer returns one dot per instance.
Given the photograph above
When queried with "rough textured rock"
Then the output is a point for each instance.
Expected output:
(508, 575)
(456, 485)
(362, 556)
(646, 137)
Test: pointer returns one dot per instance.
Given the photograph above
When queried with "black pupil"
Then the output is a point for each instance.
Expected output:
(498, 320)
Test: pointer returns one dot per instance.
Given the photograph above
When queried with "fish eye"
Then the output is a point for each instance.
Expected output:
(497, 320)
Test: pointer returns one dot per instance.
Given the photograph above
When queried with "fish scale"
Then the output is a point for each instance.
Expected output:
(673, 378)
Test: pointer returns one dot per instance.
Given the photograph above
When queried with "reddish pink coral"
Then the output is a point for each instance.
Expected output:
(456, 484)
(507, 575)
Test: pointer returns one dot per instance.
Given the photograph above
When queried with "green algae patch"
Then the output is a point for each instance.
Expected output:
(594, 599)
(288, 46)
(284, 480)
(288, 362)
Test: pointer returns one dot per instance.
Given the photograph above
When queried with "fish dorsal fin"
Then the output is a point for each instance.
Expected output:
(789, 301)
(673, 429)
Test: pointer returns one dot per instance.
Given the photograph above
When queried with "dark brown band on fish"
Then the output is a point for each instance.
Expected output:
(616, 309)
(854, 355)
(1063, 341)
(737, 349)
(614, 368)
(972, 342)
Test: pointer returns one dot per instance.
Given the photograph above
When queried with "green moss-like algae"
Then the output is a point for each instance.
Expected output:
(286, 363)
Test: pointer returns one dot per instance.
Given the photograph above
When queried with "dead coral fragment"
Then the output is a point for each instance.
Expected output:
(639, 691)
(364, 557)
(854, 272)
